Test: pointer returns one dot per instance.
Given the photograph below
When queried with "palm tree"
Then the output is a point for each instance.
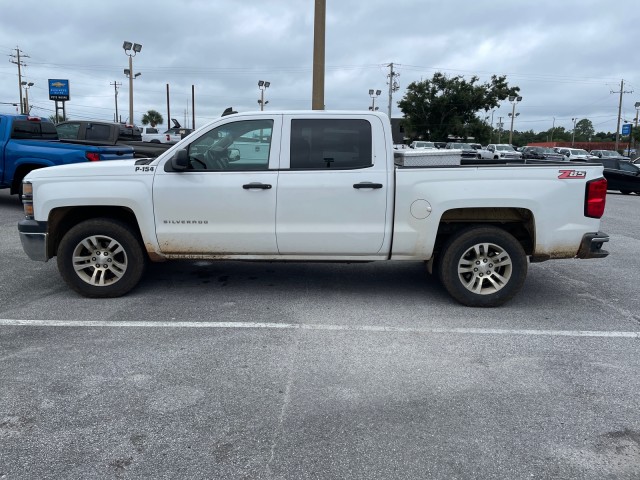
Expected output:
(153, 118)
(61, 118)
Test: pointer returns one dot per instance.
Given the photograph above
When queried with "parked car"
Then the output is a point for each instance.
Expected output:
(576, 154)
(178, 129)
(499, 151)
(621, 175)
(541, 153)
(153, 135)
(608, 154)
(332, 193)
(467, 151)
(29, 143)
(91, 132)
(419, 145)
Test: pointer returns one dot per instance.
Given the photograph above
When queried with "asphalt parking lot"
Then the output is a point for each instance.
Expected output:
(325, 371)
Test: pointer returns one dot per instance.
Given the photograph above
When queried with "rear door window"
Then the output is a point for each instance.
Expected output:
(330, 144)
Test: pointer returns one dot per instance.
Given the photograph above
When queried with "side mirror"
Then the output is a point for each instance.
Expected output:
(180, 160)
(233, 154)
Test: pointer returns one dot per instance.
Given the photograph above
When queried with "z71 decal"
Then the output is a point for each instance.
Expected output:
(572, 174)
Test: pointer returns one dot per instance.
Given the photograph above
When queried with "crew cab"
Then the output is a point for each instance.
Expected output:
(96, 132)
(310, 186)
(28, 143)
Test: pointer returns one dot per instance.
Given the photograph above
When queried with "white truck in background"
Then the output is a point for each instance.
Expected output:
(310, 186)
(499, 151)
(153, 135)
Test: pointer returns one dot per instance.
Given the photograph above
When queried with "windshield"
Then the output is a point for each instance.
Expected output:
(577, 151)
(507, 148)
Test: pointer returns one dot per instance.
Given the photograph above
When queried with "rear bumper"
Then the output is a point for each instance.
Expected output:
(591, 245)
(33, 236)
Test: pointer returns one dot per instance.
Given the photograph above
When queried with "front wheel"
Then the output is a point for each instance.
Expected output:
(625, 192)
(101, 258)
(482, 266)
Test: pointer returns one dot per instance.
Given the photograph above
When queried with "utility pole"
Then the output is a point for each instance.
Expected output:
(193, 106)
(18, 56)
(393, 85)
(619, 111)
(168, 110)
(317, 95)
(115, 89)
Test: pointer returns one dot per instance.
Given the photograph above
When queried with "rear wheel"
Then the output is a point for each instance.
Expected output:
(101, 258)
(482, 266)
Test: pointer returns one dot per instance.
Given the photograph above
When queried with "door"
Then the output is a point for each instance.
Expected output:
(333, 188)
(225, 202)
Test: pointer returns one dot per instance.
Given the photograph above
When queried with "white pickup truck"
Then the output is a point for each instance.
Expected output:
(316, 186)
(153, 135)
(499, 151)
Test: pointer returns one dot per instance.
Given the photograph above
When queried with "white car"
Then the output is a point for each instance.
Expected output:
(153, 135)
(576, 154)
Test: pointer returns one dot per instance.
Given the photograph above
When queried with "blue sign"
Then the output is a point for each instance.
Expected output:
(59, 90)
(626, 129)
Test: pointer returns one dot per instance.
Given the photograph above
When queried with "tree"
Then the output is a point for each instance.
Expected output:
(443, 106)
(153, 118)
(584, 130)
(61, 118)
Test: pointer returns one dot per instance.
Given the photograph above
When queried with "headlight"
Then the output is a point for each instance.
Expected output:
(27, 199)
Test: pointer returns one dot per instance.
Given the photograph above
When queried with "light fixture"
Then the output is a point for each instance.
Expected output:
(263, 85)
(374, 94)
(130, 47)
(513, 99)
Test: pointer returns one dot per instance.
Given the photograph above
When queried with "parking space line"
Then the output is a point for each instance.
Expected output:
(319, 327)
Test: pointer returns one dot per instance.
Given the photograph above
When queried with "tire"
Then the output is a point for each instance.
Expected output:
(88, 244)
(625, 192)
(468, 267)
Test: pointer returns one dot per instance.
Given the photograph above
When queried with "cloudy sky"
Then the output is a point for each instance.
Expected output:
(567, 56)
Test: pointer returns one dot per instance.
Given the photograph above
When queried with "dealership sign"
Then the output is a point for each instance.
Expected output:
(59, 90)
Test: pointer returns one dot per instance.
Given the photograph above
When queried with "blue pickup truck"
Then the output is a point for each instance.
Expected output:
(28, 143)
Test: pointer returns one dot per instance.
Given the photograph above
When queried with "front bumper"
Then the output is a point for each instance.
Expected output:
(34, 236)
(591, 245)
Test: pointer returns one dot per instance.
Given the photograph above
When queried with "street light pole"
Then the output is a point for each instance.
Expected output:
(26, 86)
(513, 99)
(135, 48)
(262, 85)
(573, 132)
